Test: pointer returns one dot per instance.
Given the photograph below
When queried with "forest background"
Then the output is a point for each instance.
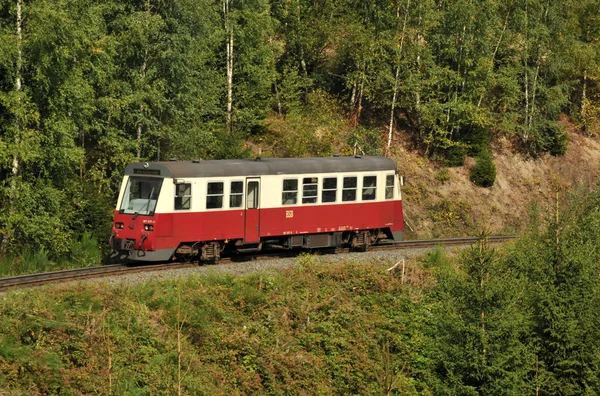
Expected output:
(87, 87)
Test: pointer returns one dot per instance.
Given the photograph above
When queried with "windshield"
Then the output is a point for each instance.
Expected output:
(140, 195)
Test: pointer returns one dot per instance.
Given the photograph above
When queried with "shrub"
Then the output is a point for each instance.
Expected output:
(442, 175)
(85, 251)
(456, 155)
(477, 140)
(483, 173)
(558, 146)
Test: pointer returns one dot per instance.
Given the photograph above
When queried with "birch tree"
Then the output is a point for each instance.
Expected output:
(402, 35)
(587, 57)
(16, 138)
(228, 63)
(249, 64)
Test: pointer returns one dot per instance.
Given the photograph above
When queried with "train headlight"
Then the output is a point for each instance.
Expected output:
(149, 227)
(119, 226)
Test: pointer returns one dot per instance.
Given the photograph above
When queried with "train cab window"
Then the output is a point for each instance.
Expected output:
(310, 187)
(369, 188)
(236, 194)
(389, 186)
(140, 196)
(290, 192)
(349, 189)
(183, 196)
(214, 195)
(329, 191)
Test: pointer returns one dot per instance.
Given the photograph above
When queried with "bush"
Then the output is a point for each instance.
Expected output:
(560, 140)
(85, 251)
(456, 155)
(477, 140)
(483, 173)
(442, 175)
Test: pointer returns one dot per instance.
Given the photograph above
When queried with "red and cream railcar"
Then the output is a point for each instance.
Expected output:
(179, 209)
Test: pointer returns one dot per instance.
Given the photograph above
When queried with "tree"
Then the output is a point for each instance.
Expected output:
(559, 261)
(480, 326)
(483, 173)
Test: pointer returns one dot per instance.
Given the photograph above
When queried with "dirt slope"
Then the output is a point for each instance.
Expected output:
(440, 201)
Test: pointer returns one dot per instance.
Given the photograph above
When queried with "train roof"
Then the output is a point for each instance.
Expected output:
(259, 167)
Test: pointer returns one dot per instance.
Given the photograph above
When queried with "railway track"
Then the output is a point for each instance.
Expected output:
(122, 269)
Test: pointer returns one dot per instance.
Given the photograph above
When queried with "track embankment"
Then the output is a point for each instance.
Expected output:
(114, 270)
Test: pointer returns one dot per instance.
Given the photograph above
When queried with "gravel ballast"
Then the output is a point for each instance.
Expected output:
(240, 268)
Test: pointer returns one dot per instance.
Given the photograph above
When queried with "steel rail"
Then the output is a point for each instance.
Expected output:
(80, 273)
(122, 269)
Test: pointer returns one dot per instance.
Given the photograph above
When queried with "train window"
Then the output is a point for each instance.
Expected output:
(290, 192)
(329, 189)
(214, 195)
(252, 198)
(183, 196)
(310, 187)
(140, 196)
(369, 188)
(349, 189)
(236, 194)
(389, 186)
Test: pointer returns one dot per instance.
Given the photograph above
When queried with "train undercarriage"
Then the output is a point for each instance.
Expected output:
(211, 251)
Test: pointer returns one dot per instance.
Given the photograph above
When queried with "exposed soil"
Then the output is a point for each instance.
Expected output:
(439, 201)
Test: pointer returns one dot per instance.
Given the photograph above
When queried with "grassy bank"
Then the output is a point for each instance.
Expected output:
(315, 329)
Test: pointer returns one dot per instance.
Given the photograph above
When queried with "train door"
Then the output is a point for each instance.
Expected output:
(252, 226)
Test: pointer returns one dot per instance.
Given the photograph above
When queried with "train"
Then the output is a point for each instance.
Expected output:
(202, 209)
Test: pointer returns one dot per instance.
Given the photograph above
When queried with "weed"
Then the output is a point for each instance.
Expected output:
(435, 258)
(442, 175)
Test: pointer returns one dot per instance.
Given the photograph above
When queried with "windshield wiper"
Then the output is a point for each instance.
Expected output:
(146, 205)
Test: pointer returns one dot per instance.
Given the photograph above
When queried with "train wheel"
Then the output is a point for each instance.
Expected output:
(211, 251)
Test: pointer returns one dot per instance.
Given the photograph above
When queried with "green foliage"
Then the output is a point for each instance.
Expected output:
(451, 216)
(436, 258)
(456, 155)
(365, 141)
(317, 129)
(559, 260)
(480, 331)
(478, 140)
(442, 175)
(288, 98)
(483, 173)
(559, 142)
(85, 252)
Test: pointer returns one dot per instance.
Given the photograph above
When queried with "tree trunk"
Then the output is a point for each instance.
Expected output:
(526, 134)
(139, 125)
(143, 78)
(391, 129)
(357, 95)
(495, 52)
(533, 91)
(482, 277)
(539, 60)
(584, 99)
(360, 94)
(525, 61)
(16, 164)
(229, 66)
(395, 94)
